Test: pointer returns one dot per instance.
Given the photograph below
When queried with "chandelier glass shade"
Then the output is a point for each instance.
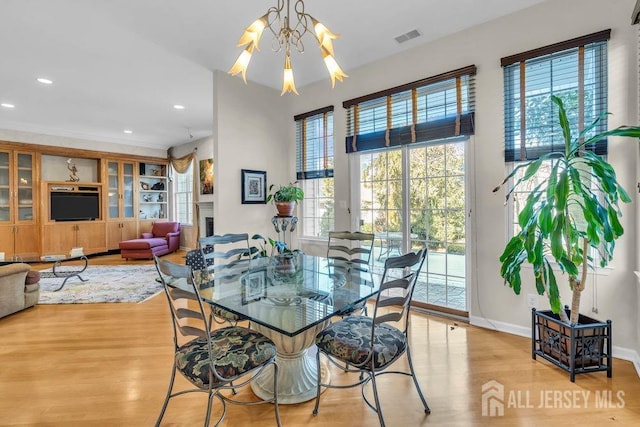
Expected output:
(278, 20)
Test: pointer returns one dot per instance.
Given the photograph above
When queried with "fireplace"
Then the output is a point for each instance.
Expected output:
(205, 219)
(208, 221)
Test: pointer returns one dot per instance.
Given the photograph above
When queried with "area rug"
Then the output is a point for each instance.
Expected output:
(113, 283)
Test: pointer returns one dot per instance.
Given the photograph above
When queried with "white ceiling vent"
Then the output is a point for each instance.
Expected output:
(408, 36)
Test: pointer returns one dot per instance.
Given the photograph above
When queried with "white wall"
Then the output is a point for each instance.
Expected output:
(81, 144)
(251, 131)
(491, 303)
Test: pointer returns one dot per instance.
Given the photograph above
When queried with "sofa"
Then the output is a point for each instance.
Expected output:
(19, 288)
(164, 238)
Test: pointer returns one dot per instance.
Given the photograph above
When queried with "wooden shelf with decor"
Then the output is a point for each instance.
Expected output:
(152, 194)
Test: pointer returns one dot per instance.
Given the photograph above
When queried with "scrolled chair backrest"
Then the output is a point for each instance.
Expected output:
(398, 283)
(181, 291)
(224, 248)
(352, 246)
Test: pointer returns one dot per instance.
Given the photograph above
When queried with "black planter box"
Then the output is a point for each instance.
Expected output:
(578, 349)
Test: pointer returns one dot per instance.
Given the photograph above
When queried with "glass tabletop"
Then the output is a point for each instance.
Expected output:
(288, 294)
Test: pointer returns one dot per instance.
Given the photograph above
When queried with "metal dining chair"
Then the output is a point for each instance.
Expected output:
(212, 360)
(370, 345)
(352, 246)
(216, 254)
(222, 249)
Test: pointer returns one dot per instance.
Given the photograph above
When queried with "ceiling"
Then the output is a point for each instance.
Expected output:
(123, 64)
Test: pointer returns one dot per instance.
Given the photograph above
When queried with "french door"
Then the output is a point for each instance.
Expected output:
(414, 197)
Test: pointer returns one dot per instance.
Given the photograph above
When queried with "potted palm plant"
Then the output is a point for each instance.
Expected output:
(285, 197)
(567, 217)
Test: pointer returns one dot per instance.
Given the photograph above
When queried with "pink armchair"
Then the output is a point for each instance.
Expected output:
(164, 238)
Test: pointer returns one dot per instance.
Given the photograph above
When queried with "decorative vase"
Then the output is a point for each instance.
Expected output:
(285, 208)
(577, 349)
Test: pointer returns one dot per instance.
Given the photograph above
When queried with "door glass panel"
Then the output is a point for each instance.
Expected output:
(114, 190)
(435, 214)
(381, 202)
(5, 212)
(443, 280)
(127, 195)
(25, 214)
(24, 161)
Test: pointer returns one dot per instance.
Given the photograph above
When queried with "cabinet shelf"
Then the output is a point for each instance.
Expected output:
(152, 203)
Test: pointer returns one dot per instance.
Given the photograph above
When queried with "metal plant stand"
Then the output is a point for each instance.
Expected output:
(284, 225)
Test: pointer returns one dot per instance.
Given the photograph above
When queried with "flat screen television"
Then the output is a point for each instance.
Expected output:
(67, 206)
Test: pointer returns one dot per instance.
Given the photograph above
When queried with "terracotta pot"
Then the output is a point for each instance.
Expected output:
(285, 208)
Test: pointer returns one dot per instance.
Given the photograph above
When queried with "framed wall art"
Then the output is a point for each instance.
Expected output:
(254, 186)
(206, 176)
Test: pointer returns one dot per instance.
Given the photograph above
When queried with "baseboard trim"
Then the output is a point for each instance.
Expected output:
(618, 352)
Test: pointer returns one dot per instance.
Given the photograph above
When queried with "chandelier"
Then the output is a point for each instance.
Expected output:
(278, 21)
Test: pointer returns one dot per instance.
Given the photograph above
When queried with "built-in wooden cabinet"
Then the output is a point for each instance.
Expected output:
(18, 207)
(72, 218)
(121, 218)
(60, 237)
(118, 197)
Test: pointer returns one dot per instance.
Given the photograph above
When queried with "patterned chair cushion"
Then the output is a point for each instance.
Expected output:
(350, 341)
(236, 351)
(226, 316)
(195, 260)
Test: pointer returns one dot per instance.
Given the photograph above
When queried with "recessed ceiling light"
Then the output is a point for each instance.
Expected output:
(127, 131)
(178, 107)
(5, 105)
(44, 81)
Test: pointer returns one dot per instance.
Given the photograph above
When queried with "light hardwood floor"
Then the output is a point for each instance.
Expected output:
(109, 365)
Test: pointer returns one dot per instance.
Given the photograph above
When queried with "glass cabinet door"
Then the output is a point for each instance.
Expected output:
(127, 184)
(25, 187)
(5, 200)
(114, 190)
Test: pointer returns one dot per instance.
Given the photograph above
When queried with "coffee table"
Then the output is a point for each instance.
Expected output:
(66, 273)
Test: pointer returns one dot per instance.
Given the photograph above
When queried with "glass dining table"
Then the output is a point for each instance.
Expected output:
(290, 299)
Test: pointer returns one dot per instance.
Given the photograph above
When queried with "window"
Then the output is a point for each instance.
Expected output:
(410, 144)
(430, 109)
(574, 70)
(314, 166)
(184, 196)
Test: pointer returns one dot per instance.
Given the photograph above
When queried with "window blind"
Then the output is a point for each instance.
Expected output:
(433, 108)
(314, 144)
(576, 72)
